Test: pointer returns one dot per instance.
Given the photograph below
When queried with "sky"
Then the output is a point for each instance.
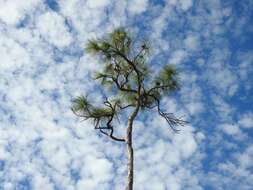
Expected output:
(43, 65)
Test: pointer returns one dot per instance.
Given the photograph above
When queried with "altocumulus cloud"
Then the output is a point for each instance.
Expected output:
(43, 65)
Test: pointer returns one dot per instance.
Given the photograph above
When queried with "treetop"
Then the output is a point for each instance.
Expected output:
(126, 71)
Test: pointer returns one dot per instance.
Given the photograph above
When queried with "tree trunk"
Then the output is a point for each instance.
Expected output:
(130, 152)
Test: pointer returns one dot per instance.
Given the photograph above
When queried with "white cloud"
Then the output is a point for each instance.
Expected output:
(12, 11)
(223, 78)
(101, 170)
(97, 3)
(245, 59)
(12, 54)
(172, 2)
(42, 182)
(185, 4)
(195, 107)
(230, 129)
(53, 150)
(186, 143)
(137, 6)
(192, 94)
(224, 110)
(53, 29)
(178, 57)
(200, 61)
(245, 160)
(246, 120)
(191, 42)
(239, 168)
(4, 155)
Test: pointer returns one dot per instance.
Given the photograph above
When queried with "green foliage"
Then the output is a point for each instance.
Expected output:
(167, 79)
(118, 40)
(80, 103)
(98, 46)
(127, 97)
(121, 40)
(144, 70)
(126, 72)
(101, 112)
(92, 47)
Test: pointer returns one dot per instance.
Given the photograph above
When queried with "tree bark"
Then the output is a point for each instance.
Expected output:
(130, 152)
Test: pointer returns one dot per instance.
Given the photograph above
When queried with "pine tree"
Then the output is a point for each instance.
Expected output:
(133, 88)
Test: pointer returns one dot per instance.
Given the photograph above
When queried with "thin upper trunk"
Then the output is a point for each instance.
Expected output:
(130, 152)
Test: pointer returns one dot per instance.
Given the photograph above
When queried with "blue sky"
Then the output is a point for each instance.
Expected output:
(43, 66)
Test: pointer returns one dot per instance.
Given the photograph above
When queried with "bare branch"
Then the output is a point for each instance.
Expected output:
(111, 135)
(171, 119)
(110, 128)
(127, 106)
(108, 124)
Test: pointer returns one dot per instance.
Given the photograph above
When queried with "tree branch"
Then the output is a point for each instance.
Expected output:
(158, 87)
(110, 135)
(120, 87)
(108, 124)
(117, 52)
(136, 57)
(127, 106)
(171, 119)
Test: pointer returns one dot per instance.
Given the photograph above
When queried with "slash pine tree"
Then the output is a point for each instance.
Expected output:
(133, 89)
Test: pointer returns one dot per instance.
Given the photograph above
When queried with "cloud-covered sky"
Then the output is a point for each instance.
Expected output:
(43, 65)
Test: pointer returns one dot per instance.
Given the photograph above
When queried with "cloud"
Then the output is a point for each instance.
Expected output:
(178, 57)
(43, 66)
(185, 4)
(98, 3)
(230, 129)
(221, 75)
(137, 6)
(12, 54)
(244, 70)
(18, 10)
(191, 42)
(53, 29)
(246, 120)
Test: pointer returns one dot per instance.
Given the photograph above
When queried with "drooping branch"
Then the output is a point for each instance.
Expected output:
(171, 119)
(98, 115)
(111, 130)
(109, 122)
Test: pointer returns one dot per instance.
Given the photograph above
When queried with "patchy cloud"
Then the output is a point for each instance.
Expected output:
(52, 28)
(137, 6)
(246, 120)
(43, 66)
(14, 11)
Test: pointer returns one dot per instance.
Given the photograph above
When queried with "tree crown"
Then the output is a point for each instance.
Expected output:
(125, 70)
